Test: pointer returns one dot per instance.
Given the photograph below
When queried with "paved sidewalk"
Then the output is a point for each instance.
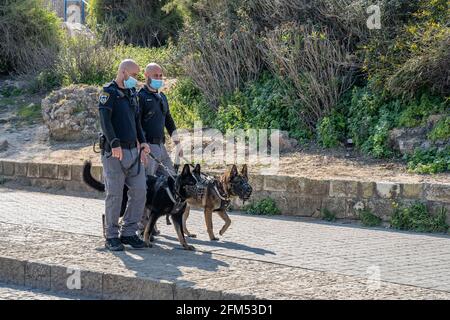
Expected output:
(419, 260)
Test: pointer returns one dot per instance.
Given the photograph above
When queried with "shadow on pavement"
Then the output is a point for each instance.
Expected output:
(220, 244)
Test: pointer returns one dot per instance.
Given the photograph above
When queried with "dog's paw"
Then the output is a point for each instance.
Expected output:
(221, 232)
(152, 239)
(148, 244)
(192, 235)
(189, 247)
(214, 239)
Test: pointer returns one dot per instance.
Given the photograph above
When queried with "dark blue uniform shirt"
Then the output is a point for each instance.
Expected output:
(119, 115)
(155, 115)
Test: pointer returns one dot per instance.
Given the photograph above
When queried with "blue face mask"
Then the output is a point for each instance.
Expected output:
(156, 84)
(130, 83)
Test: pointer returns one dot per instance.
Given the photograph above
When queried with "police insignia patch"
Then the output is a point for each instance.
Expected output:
(104, 97)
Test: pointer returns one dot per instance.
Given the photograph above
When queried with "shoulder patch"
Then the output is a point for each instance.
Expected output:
(104, 97)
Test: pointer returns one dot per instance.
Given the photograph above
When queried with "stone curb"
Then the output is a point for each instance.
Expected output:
(294, 195)
(59, 279)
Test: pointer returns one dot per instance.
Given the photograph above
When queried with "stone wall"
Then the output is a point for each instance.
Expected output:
(294, 195)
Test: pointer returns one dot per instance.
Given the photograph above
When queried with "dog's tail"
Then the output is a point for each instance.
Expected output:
(89, 179)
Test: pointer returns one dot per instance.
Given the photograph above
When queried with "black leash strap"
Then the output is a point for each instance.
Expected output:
(162, 165)
(137, 161)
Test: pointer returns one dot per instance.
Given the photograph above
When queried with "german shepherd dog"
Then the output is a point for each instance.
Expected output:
(217, 196)
(165, 196)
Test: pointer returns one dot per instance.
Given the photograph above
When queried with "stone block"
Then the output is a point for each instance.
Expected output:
(64, 172)
(12, 271)
(315, 187)
(381, 208)
(49, 170)
(190, 293)
(33, 170)
(47, 183)
(388, 190)
(275, 183)
(307, 206)
(294, 185)
(412, 190)
(257, 182)
(367, 189)
(286, 202)
(120, 287)
(20, 169)
(437, 192)
(335, 205)
(343, 189)
(8, 168)
(338, 189)
(77, 282)
(77, 172)
(37, 275)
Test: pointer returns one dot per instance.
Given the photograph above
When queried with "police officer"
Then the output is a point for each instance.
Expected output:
(120, 123)
(155, 116)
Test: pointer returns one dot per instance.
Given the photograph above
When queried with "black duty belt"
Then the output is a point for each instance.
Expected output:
(128, 145)
(155, 140)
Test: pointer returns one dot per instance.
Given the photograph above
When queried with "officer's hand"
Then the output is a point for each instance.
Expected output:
(117, 153)
(145, 153)
(146, 148)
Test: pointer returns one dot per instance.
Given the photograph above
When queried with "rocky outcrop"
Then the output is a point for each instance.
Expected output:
(71, 113)
(287, 144)
(406, 140)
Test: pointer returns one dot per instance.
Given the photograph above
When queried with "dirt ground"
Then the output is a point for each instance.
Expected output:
(29, 141)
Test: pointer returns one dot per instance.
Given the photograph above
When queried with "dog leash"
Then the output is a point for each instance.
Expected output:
(162, 165)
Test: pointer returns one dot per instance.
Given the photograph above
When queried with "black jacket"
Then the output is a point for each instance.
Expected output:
(119, 115)
(155, 114)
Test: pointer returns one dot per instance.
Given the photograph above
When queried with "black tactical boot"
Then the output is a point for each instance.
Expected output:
(133, 241)
(114, 244)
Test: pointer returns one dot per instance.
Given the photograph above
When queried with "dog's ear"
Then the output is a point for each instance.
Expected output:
(186, 171)
(244, 171)
(197, 169)
(233, 171)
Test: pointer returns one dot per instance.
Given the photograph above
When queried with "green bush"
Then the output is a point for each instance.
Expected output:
(262, 104)
(433, 160)
(85, 60)
(187, 105)
(331, 130)
(418, 110)
(371, 114)
(144, 23)
(370, 117)
(441, 130)
(328, 215)
(368, 219)
(266, 206)
(29, 36)
(417, 218)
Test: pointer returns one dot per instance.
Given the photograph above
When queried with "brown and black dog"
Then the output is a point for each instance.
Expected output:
(217, 196)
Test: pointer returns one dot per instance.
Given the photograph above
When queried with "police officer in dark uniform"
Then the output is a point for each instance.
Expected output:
(155, 116)
(120, 123)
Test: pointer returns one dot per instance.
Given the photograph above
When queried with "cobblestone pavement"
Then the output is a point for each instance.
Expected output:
(11, 292)
(420, 260)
